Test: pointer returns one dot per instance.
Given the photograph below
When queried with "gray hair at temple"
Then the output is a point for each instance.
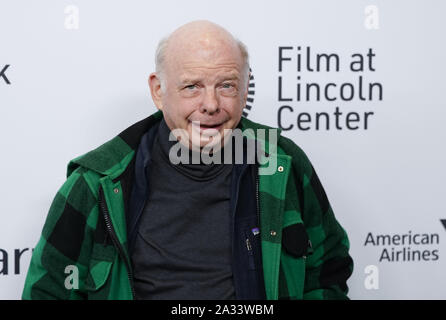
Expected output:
(161, 53)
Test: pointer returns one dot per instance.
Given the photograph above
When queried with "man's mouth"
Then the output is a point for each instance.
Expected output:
(208, 126)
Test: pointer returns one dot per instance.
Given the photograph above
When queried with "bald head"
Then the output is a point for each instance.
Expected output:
(202, 37)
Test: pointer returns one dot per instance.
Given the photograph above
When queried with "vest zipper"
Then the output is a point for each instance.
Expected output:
(248, 244)
(257, 196)
(114, 238)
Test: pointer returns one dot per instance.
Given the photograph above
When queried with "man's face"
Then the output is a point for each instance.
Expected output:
(203, 83)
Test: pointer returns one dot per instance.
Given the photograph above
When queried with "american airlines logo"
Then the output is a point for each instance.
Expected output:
(410, 246)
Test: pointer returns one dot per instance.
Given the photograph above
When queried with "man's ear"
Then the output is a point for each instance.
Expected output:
(155, 90)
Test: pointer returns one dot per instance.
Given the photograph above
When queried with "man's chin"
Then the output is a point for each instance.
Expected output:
(206, 146)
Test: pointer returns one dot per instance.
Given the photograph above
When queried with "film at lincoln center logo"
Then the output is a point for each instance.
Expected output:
(251, 92)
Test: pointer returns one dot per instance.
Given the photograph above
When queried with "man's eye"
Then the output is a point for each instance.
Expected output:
(191, 86)
(227, 86)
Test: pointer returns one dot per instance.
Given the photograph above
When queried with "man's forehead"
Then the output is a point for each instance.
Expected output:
(201, 66)
(197, 73)
(197, 66)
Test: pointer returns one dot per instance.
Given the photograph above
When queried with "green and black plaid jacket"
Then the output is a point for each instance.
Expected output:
(86, 227)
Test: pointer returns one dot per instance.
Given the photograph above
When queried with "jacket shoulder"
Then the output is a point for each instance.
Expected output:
(299, 158)
(285, 145)
(102, 159)
(116, 153)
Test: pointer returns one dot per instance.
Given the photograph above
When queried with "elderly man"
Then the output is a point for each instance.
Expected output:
(130, 222)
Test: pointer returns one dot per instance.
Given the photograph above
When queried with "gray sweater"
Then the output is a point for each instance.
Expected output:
(183, 246)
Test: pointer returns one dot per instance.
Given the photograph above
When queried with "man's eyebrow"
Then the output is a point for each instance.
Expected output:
(227, 77)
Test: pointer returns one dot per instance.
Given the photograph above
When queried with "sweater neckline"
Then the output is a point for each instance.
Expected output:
(197, 171)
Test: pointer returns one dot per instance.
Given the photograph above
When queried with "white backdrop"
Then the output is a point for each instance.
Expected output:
(74, 74)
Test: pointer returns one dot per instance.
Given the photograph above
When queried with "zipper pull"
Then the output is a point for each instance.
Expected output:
(251, 262)
(248, 244)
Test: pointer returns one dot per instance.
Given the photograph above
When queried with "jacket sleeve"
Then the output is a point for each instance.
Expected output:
(329, 265)
(59, 262)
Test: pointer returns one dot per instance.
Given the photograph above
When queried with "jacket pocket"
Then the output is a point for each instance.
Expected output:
(295, 241)
(295, 248)
(100, 267)
(98, 274)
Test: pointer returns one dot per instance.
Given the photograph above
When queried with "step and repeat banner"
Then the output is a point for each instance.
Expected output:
(358, 85)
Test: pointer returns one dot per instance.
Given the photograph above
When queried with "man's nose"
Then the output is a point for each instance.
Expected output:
(210, 102)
